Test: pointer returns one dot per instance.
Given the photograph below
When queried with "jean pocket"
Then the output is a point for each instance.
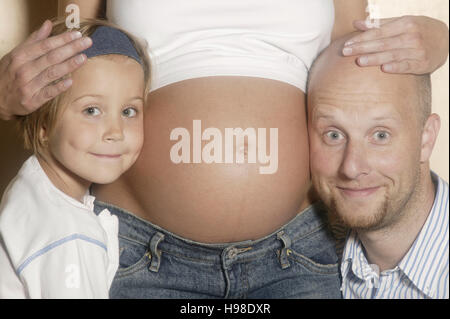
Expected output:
(133, 256)
(311, 265)
(316, 252)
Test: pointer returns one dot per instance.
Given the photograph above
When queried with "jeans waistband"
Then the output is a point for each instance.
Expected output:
(141, 231)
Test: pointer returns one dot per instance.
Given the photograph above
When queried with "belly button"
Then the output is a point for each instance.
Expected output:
(243, 149)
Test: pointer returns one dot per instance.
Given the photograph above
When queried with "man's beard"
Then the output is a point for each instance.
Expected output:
(386, 214)
(372, 221)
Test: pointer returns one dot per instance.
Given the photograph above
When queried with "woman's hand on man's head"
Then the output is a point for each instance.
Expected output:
(408, 44)
(28, 73)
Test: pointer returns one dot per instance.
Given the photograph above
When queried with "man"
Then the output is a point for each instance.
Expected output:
(371, 136)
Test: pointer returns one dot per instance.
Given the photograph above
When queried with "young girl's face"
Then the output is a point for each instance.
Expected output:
(100, 133)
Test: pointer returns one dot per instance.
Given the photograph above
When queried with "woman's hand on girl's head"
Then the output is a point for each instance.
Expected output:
(408, 44)
(27, 72)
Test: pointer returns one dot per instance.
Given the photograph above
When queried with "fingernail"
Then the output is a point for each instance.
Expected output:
(347, 51)
(41, 29)
(67, 83)
(363, 60)
(349, 43)
(387, 67)
(76, 35)
(79, 59)
(43, 24)
(87, 42)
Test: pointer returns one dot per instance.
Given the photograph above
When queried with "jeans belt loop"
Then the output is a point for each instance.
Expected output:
(155, 252)
(286, 250)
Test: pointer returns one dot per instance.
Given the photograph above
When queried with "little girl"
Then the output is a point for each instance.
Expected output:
(52, 245)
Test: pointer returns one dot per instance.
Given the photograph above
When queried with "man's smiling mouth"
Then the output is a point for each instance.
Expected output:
(358, 192)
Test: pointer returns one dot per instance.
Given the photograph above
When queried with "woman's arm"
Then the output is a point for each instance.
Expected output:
(346, 11)
(88, 8)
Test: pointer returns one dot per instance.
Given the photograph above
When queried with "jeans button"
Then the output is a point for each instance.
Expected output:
(232, 253)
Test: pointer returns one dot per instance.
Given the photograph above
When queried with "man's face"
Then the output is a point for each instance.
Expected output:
(100, 133)
(365, 146)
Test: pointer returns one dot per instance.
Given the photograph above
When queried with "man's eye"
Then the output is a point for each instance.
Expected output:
(334, 137)
(381, 136)
(130, 112)
(92, 111)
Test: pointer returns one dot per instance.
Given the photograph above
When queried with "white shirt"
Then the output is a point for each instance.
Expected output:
(272, 39)
(51, 245)
(422, 273)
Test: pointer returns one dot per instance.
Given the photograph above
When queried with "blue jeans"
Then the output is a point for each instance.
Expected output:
(296, 261)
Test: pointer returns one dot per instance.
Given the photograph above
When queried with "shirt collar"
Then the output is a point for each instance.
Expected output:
(354, 259)
(432, 231)
(88, 200)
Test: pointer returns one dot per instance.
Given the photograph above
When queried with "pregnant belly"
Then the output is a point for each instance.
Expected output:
(224, 159)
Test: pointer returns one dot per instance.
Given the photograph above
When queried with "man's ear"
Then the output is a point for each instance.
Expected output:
(429, 136)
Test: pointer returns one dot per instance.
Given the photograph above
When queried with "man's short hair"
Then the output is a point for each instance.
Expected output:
(424, 96)
(423, 81)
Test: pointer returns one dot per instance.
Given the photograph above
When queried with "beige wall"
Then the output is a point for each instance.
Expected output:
(19, 17)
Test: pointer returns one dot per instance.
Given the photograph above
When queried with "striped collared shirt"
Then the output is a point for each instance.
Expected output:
(423, 271)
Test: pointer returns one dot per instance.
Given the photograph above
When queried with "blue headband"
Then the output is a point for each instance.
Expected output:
(107, 40)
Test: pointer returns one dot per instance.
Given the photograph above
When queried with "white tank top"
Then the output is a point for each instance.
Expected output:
(274, 39)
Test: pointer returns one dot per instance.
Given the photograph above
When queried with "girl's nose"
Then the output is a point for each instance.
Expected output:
(113, 130)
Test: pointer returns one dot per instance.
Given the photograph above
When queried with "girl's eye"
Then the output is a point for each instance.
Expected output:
(130, 112)
(381, 136)
(92, 111)
(334, 137)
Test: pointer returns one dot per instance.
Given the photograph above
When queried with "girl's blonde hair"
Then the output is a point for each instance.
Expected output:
(47, 115)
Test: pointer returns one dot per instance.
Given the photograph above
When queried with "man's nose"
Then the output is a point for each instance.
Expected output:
(355, 161)
(113, 129)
